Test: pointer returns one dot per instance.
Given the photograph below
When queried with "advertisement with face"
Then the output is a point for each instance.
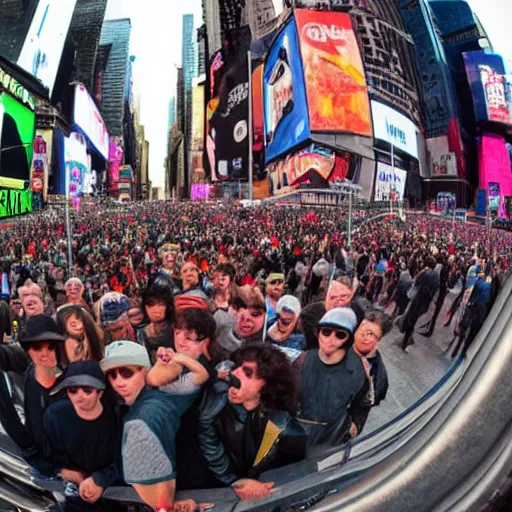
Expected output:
(389, 182)
(285, 106)
(334, 73)
(42, 49)
(87, 117)
(393, 127)
(227, 140)
(486, 76)
(17, 128)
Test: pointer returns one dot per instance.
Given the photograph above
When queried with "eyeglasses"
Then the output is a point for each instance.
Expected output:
(124, 372)
(340, 335)
(86, 389)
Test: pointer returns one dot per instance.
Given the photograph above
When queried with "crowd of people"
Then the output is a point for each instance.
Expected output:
(200, 345)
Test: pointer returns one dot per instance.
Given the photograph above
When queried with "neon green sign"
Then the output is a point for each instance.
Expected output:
(15, 202)
(17, 90)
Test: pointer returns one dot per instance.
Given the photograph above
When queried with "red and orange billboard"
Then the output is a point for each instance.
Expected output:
(334, 73)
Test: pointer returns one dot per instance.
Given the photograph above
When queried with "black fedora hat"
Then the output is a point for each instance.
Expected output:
(41, 328)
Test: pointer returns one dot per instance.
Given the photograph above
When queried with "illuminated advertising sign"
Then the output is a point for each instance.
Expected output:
(393, 127)
(486, 76)
(42, 49)
(389, 182)
(446, 202)
(494, 196)
(15, 202)
(17, 128)
(313, 164)
(42, 161)
(334, 73)
(227, 140)
(77, 163)
(285, 106)
(197, 118)
(87, 117)
(446, 165)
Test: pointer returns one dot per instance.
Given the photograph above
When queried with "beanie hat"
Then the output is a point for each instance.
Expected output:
(340, 318)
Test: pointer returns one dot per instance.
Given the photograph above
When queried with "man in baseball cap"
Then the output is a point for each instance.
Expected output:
(333, 381)
(148, 446)
(82, 434)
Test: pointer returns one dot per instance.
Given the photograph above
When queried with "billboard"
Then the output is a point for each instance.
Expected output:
(445, 165)
(486, 76)
(393, 127)
(494, 196)
(227, 140)
(42, 49)
(77, 163)
(334, 74)
(494, 167)
(17, 127)
(313, 164)
(389, 183)
(197, 118)
(15, 202)
(284, 93)
(42, 161)
(87, 117)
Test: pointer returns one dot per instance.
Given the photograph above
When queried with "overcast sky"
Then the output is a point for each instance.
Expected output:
(156, 44)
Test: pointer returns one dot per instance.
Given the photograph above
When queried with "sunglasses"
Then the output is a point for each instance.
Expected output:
(256, 311)
(276, 282)
(86, 389)
(340, 335)
(123, 372)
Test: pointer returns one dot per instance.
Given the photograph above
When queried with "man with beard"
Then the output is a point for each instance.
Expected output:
(373, 328)
(246, 426)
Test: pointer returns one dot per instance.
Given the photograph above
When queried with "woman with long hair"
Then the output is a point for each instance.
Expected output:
(84, 339)
(157, 306)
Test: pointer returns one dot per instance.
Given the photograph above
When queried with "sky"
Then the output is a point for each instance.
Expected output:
(156, 44)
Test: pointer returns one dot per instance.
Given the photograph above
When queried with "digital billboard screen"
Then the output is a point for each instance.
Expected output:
(389, 182)
(487, 79)
(393, 127)
(42, 49)
(334, 74)
(285, 105)
(227, 140)
(17, 128)
(87, 117)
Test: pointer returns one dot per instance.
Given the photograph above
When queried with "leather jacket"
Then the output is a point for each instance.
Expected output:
(242, 444)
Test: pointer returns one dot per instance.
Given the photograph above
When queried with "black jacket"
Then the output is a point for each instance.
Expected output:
(274, 439)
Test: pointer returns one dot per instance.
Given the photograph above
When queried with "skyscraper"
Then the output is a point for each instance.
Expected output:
(188, 57)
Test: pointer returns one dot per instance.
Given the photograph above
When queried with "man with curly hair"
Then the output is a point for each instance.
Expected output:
(246, 426)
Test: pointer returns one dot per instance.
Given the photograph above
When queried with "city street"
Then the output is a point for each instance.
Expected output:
(413, 373)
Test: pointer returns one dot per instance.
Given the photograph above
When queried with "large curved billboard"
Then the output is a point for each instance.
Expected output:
(334, 74)
(285, 105)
